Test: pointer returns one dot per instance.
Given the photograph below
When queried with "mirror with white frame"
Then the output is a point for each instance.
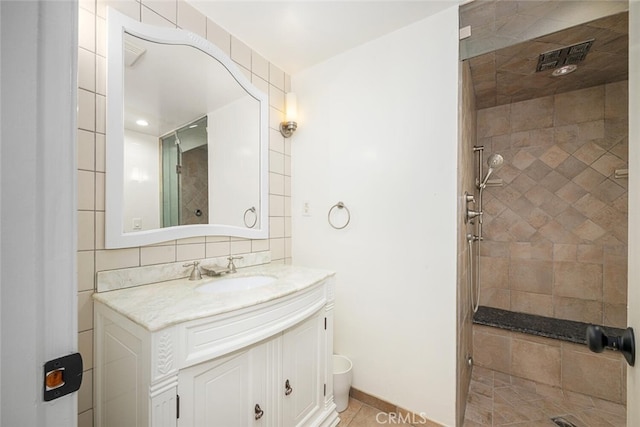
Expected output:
(187, 147)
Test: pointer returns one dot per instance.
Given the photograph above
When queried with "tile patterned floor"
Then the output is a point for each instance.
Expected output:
(359, 414)
(497, 399)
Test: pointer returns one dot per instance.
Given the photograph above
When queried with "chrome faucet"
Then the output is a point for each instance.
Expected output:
(231, 267)
(195, 273)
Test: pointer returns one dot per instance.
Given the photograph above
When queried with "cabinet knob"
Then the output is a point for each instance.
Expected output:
(259, 412)
(287, 388)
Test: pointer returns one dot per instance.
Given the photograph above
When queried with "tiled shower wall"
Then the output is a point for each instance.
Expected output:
(556, 230)
(92, 255)
(194, 193)
(467, 126)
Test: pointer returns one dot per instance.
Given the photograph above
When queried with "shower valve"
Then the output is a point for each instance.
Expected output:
(471, 214)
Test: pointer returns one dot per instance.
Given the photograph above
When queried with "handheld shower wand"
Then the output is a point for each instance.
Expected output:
(494, 162)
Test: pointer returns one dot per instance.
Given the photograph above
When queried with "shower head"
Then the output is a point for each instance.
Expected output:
(495, 162)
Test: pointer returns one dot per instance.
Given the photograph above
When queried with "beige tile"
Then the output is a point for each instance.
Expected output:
(117, 258)
(276, 184)
(86, 30)
(490, 350)
(276, 227)
(190, 251)
(85, 347)
(615, 315)
(277, 247)
(86, 110)
(100, 230)
(276, 162)
(131, 8)
(101, 114)
(616, 99)
(564, 252)
(86, 70)
(259, 66)
(527, 302)
(493, 121)
(101, 75)
(157, 254)
(554, 156)
(85, 311)
(590, 254)
(579, 106)
(240, 53)
(608, 163)
(167, 9)
(535, 361)
(86, 272)
(189, 18)
(533, 114)
(151, 17)
(577, 309)
(100, 191)
(241, 247)
(85, 394)
(348, 414)
(86, 150)
(531, 275)
(260, 245)
(86, 190)
(85, 419)
(276, 141)
(591, 374)
(219, 36)
(101, 37)
(276, 77)
(100, 153)
(216, 249)
(276, 98)
(275, 118)
(86, 229)
(577, 280)
(589, 153)
(276, 205)
(494, 272)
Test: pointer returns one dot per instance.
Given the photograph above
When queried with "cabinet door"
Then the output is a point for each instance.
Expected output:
(224, 392)
(302, 387)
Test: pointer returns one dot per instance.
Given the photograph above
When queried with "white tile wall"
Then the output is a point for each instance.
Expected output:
(92, 67)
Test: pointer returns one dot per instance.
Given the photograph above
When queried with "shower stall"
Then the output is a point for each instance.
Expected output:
(543, 223)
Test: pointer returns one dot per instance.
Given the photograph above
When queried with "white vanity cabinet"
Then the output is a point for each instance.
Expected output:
(266, 364)
(278, 382)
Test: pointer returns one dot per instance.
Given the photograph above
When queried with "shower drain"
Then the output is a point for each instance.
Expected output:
(561, 422)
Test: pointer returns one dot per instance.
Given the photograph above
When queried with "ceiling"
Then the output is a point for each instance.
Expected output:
(509, 75)
(295, 35)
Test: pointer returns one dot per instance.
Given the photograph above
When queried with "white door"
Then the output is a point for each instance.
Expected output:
(301, 386)
(633, 313)
(38, 301)
(228, 391)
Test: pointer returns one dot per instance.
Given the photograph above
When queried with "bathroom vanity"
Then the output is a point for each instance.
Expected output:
(246, 353)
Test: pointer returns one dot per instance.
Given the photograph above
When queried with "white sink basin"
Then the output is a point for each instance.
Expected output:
(234, 284)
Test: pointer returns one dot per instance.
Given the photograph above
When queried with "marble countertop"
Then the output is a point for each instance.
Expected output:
(159, 305)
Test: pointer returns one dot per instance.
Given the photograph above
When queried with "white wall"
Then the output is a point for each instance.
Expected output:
(378, 131)
(141, 180)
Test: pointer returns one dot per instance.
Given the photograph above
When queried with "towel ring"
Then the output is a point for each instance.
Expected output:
(339, 205)
(255, 219)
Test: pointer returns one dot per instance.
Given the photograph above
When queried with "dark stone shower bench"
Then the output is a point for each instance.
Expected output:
(559, 329)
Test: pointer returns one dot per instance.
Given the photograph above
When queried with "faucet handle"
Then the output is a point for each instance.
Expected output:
(231, 266)
(195, 274)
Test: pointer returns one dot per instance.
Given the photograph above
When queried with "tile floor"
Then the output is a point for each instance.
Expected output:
(497, 399)
(359, 414)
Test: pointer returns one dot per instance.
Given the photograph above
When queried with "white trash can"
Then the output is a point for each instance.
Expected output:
(342, 374)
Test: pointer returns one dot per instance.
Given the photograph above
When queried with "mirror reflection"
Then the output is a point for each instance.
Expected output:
(193, 146)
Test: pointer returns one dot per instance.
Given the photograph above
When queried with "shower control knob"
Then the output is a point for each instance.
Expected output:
(597, 340)
(471, 214)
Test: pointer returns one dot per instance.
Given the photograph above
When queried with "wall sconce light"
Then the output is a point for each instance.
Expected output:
(291, 115)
